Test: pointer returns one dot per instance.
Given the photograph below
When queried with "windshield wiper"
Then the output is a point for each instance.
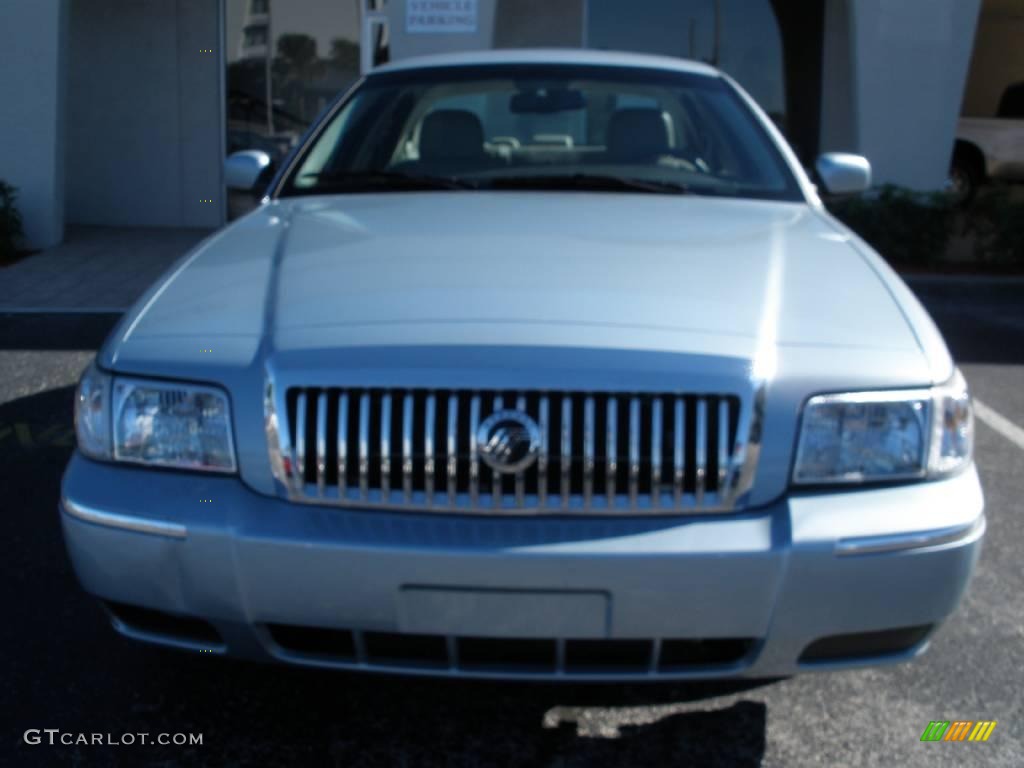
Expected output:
(381, 180)
(590, 181)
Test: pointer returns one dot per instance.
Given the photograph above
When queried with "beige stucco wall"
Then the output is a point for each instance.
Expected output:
(998, 58)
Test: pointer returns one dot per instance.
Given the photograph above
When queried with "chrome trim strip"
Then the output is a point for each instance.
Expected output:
(300, 439)
(901, 542)
(634, 451)
(746, 456)
(321, 442)
(429, 427)
(364, 445)
(656, 420)
(611, 450)
(679, 451)
(278, 441)
(543, 422)
(453, 446)
(407, 465)
(566, 461)
(474, 454)
(588, 451)
(124, 522)
(342, 443)
(385, 445)
(499, 404)
(702, 448)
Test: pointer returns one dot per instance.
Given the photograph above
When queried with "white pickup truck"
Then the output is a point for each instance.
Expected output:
(990, 148)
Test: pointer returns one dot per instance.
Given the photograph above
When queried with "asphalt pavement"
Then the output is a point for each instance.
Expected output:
(64, 668)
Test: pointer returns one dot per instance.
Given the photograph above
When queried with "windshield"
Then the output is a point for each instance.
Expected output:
(543, 127)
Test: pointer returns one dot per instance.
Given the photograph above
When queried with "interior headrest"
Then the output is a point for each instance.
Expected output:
(448, 134)
(638, 133)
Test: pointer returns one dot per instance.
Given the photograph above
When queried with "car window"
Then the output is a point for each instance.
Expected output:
(500, 127)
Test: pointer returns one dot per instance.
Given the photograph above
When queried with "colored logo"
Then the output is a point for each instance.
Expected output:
(958, 730)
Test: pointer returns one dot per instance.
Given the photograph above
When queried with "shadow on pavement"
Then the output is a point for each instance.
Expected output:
(55, 331)
(982, 322)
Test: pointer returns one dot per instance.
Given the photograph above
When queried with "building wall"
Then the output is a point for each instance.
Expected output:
(144, 105)
(897, 100)
(998, 59)
(539, 23)
(33, 36)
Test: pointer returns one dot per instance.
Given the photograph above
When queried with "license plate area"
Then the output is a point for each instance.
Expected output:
(504, 613)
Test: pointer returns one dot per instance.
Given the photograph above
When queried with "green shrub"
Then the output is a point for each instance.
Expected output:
(10, 222)
(997, 222)
(907, 228)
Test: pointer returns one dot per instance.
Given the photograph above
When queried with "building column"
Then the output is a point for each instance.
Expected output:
(33, 36)
(894, 75)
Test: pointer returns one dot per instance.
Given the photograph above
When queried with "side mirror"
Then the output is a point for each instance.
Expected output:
(843, 174)
(242, 170)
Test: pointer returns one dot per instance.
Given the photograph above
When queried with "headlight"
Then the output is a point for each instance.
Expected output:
(92, 414)
(876, 436)
(184, 426)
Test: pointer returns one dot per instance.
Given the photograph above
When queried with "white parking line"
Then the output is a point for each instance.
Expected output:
(999, 423)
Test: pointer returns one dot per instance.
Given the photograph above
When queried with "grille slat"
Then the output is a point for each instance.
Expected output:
(723, 441)
(364, 446)
(656, 427)
(588, 451)
(612, 449)
(321, 443)
(474, 454)
(565, 462)
(418, 449)
(634, 450)
(407, 460)
(499, 404)
(543, 421)
(520, 481)
(452, 447)
(702, 449)
(342, 440)
(429, 467)
(385, 446)
(300, 443)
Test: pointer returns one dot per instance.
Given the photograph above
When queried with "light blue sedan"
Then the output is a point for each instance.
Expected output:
(542, 364)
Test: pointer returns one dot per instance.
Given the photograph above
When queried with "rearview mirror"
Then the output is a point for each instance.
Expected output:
(242, 170)
(843, 174)
(545, 101)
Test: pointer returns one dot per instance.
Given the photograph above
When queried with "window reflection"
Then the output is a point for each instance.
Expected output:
(739, 36)
(286, 60)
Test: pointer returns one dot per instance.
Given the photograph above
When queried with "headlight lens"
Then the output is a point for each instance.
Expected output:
(877, 436)
(184, 426)
(953, 430)
(172, 425)
(92, 414)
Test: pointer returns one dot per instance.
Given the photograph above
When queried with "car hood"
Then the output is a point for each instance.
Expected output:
(517, 291)
(678, 274)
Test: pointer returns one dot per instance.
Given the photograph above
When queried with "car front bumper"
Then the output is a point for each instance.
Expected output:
(813, 581)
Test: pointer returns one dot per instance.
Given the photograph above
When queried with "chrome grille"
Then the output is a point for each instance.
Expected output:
(417, 449)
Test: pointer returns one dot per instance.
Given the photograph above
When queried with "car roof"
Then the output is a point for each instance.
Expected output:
(549, 56)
